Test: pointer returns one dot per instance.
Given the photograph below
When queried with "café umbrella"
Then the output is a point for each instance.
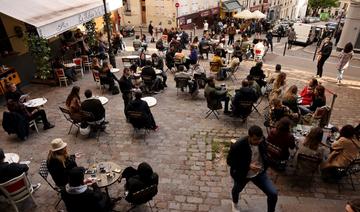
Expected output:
(258, 15)
(245, 14)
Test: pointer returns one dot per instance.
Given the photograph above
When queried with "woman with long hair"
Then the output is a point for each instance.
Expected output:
(59, 162)
(311, 144)
(73, 102)
(290, 99)
(279, 86)
(344, 59)
(307, 94)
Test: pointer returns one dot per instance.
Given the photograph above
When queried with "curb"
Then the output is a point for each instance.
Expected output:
(356, 57)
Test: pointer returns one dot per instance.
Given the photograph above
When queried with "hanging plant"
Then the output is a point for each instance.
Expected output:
(40, 50)
(90, 32)
(107, 20)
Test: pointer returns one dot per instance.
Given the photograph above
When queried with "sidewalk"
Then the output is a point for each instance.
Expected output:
(311, 49)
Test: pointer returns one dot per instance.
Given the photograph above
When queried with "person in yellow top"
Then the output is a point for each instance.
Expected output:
(217, 68)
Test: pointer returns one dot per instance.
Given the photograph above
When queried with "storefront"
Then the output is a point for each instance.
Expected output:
(229, 8)
(49, 18)
(197, 19)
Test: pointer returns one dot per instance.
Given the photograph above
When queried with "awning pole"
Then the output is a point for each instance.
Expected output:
(110, 51)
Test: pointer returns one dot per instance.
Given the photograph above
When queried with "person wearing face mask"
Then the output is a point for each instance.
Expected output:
(247, 159)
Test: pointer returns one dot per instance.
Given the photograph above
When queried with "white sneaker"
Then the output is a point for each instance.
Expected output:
(235, 207)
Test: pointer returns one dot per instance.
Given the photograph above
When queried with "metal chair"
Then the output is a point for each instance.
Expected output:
(138, 121)
(17, 190)
(143, 196)
(44, 173)
(79, 66)
(181, 83)
(307, 165)
(148, 83)
(349, 171)
(32, 123)
(69, 117)
(127, 62)
(86, 62)
(214, 66)
(60, 74)
(97, 80)
(231, 73)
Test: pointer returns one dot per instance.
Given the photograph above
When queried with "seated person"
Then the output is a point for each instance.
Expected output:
(158, 63)
(253, 85)
(14, 93)
(24, 111)
(282, 138)
(234, 62)
(221, 50)
(344, 151)
(144, 42)
(204, 47)
(73, 102)
(311, 145)
(274, 76)
(319, 100)
(214, 95)
(278, 111)
(175, 44)
(244, 94)
(148, 71)
(70, 72)
(160, 45)
(238, 53)
(307, 94)
(94, 106)
(139, 179)
(258, 74)
(59, 162)
(279, 86)
(185, 75)
(193, 57)
(140, 105)
(169, 58)
(79, 196)
(106, 77)
(290, 99)
(137, 43)
(180, 59)
(9, 171)
(142, 59)
(216, 69)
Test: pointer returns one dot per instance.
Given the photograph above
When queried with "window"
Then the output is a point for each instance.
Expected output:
(126, 4)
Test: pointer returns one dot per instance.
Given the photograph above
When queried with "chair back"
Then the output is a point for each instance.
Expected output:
(181, 82)
(144, 195)
(307, 163)
(244, 108)
(44, 173)
(353, 168)
(137, 119)
(213, 103)
(17, 189)
(322, 115)
(60, 73)
(96, 75)
(273, 151)
(77, 61)
(85, 59)
(126, 62)
(147, 79)
(214, 66)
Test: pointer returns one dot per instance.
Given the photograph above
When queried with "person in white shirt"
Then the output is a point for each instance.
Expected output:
(206, 26)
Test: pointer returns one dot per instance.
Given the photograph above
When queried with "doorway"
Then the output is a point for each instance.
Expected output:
(143, 12)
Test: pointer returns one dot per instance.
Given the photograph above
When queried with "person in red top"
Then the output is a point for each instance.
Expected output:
(282, 138)
(307, 94)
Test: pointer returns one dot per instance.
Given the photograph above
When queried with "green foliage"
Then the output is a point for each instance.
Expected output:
(40, 50)
(322, 4)
(107, 21)
(90, 32)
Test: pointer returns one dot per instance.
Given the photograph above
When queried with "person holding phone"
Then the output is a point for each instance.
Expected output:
(248, 162)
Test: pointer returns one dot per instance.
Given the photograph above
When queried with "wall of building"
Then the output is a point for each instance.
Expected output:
(351, 29)
(18, 44)
(132, 13)
(163, 11)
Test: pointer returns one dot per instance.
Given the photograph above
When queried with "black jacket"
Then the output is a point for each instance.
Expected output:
(139, 105)
(9, 171)
(95, 107)
(14, 95)
(148, 71)
(15, 123)
(239, 158)
(58, 172)
(91, 200)
(125, 85)
(257, 72)
(326, 50)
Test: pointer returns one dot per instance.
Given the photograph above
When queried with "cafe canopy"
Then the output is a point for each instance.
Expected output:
(52, 17)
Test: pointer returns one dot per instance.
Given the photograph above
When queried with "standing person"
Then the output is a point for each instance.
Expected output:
(291, 38)
(344, 60)
(269, 38)
(257, 30)
(323, 55)
(280, 32)
(151, 31)
(231, 32)
(248, 162)
(125, 87)
(206, 26)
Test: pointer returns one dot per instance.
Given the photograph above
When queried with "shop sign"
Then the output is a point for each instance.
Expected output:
(60, 26)
(205, 13)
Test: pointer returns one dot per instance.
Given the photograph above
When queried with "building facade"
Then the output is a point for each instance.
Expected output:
(351, 29)
(341, 9)
(287, 9)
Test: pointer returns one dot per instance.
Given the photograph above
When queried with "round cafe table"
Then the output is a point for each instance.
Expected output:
(36, 102)
(11, 158)
(151, 101)
(102, 99)
(69, 65)
(114, 70)
(158, 71)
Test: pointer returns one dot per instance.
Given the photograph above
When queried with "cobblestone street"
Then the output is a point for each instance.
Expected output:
(187, 152)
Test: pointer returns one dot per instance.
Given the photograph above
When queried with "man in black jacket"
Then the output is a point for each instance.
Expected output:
(125, 87)
(79, 197)
(149, 71)
(258, 74)
(9, 171)
(244, 94)
(247, 160)
(324, 54)
(94, 106)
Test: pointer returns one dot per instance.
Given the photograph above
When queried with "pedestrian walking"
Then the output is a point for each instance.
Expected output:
(323, 55)
(257, 30)
(231, 32)
(344, 60)
(247, 161)
(206, 26)
(280, 33)
(291, 38)
(151, 31)
(269, 38)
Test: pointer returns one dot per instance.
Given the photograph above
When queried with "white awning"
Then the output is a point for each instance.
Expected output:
(52, 17)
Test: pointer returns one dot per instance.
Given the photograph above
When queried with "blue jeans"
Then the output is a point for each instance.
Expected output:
(261, 181)
(340, 74)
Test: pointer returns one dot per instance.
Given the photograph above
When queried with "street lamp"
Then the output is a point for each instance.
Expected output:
(107, 25)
